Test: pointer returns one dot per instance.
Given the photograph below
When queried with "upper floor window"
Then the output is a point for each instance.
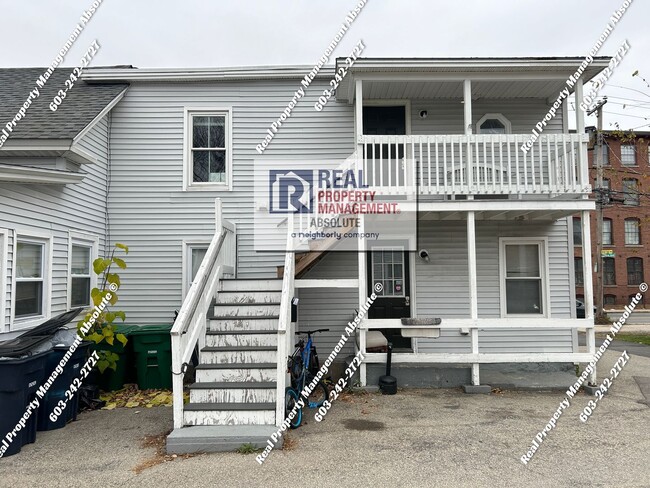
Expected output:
(630, 191)
(632, 233)
(604, 150)
(208, 150)
(580, 276)
(628, 155)
(493, 124)
(577, 231)
(609, 271)
(634, 271)
(607, 232)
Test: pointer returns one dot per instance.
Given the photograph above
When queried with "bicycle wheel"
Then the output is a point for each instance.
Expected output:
(318, 395)
(290, 400)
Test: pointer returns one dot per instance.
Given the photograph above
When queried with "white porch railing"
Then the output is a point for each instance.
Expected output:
(285, 333)
(191, 324)
(490, 164)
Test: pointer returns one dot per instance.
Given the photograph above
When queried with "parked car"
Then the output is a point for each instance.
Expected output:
(580, 309)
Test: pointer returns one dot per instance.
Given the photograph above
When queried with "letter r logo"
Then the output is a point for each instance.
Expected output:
(290, 191)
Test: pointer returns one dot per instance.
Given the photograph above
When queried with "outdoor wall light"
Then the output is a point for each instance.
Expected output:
(424, 254)
(424, 114)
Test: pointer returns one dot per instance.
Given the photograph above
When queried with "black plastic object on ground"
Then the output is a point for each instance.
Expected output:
(57, 391)
(388, 383)
(19, 380)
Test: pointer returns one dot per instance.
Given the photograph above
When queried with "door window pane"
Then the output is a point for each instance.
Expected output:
(388, 269)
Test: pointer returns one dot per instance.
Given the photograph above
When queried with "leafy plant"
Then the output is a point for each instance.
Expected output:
(248, 448)
(104, 297)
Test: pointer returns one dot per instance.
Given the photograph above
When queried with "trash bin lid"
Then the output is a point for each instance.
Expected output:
(20, 346)
(151, 329)
(49, 327)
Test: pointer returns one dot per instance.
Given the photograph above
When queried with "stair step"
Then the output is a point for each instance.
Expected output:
(248, 338)
(238, 348)
(239, 372)
(249, 393)
(235, 355)
(240, 324)
(241, 310)
(246, 296)
(239, 366)
(251, 284)
(202, 407)
(232, 384)
(219, 438)
(199, 415)
(240, 332)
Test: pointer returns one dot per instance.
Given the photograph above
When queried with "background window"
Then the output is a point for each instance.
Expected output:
(634, 271)
(604, 149)
(208, 150)
(80, 265)
(607, 232)
(577, 231)
(628, 155)
(493, 124)
(609, 271)
(630, 191)
(30, 271)
(523, 279)
(580, 277)
(632, 232)
(198, 253)
(609, 300)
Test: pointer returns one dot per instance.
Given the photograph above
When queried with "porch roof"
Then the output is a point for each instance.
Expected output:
(413, 78)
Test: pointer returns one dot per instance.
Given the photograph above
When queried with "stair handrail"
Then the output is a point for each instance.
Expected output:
(191, 323)
(285, 335)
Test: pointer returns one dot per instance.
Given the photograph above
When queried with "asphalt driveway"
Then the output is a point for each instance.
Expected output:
(430, 438)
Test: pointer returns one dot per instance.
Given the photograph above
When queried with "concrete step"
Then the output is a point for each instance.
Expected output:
(233, 392)
(251, 284)
(242, 372)
(238, 354)
(242, 296)
(248, 338)
(229, 414)
(244, 323)
(241, 310)
(219, 438)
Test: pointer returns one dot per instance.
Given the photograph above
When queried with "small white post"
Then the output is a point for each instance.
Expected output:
(218, 216)
(177, 381)
(587, 271)
(473, 293)
(467, 99)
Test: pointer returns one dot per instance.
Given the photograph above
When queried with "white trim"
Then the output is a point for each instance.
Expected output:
(498, 116)
(542, 243)
(30, 174)
(514, 323)
(99, 117)
(84, 240)
(4, 259)
(333, 283)
(48, 253)
(483, 358)
(187, 245)
(188, 184)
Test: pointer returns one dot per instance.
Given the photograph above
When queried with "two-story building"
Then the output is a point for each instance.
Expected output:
(491, 255)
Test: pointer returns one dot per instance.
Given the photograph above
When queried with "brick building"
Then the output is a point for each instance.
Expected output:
(626, 225)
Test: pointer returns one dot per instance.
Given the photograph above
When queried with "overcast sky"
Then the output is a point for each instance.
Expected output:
(202, 33)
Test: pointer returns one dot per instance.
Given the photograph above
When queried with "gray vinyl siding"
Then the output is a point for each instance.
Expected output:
(330, 308)
(447, 116)
(152, 214)
(442, 284)
(56, 210)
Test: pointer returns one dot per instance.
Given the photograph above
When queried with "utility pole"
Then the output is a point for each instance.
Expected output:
(600, 203)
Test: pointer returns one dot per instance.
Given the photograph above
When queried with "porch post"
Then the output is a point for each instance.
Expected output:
(467, 99)
(588, 286)
(583, 166)
(363, 286)
(473, 295)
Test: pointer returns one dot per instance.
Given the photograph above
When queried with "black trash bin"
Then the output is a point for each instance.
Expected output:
(62, 383)
(19, 381)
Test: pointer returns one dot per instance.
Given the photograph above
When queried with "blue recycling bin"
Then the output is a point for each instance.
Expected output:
(19, 380)
(62, 383)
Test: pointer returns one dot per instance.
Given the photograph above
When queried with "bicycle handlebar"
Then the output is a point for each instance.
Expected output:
(309, 332)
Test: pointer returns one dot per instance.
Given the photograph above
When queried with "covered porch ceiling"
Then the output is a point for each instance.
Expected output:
(492, 78)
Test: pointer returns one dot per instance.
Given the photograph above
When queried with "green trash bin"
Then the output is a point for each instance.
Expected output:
(152, 351)
(111, 380)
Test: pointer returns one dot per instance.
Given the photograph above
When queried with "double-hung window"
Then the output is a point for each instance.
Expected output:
(208, 150)
(31, 263)
(82, 251)
(523, 276)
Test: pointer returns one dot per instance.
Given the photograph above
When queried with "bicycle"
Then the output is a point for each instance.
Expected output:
(303, 365)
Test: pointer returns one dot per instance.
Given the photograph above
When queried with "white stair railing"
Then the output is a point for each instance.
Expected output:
(285, 334)
(191, 324)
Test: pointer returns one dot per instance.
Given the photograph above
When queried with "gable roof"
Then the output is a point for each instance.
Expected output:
(82, 104)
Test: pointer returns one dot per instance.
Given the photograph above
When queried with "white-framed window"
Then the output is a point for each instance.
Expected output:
(4, 253)
(607, 239)
(493, 124)
(82, 251)
(524, 287)
(632, 232)
(208, 149)
(628, 154)
(193, 254)
(31, 279)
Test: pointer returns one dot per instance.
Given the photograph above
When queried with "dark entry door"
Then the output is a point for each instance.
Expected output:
(384, 121)
(389, 265)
